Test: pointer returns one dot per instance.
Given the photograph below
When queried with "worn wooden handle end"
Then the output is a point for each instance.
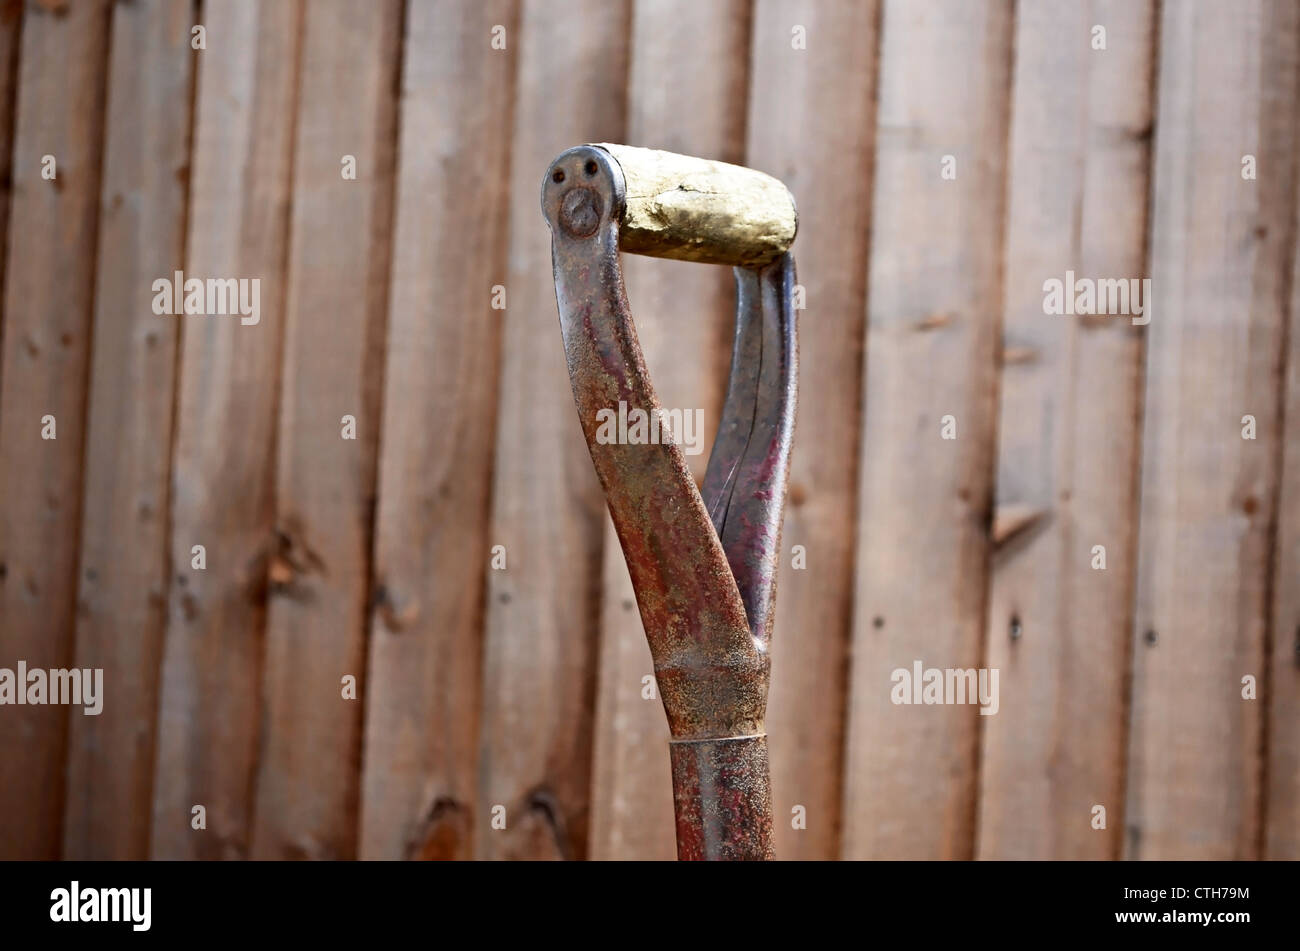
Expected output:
(695, 209)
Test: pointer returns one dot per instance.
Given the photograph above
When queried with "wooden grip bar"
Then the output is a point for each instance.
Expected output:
(695, 209)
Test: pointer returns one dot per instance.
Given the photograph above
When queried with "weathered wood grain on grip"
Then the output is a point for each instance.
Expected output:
(696, 209)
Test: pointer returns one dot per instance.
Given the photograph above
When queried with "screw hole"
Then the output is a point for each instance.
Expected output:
(557, 176)
(590, 168)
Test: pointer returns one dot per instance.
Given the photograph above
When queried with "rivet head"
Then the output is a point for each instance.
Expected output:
(580, 212)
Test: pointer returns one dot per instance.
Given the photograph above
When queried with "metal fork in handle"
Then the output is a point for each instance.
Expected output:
(703, 564)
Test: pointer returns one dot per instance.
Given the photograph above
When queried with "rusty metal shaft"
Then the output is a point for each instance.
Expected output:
(703, 565)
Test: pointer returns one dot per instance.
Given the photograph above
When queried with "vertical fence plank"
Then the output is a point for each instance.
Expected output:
(812, 124)
(1058, 624)
(308, 783)
(11, 16)
(1221, 252)
(436, 446)
(933, 327)
(632, 791)
(1282, 795)
(49, 287)
(686, 94)
(122, 584)
(547, 510)
(225, 433)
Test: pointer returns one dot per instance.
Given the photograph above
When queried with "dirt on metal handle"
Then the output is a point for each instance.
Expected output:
(695, 209)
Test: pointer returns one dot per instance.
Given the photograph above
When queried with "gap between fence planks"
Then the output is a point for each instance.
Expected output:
(223, 465)
(49, 289)
(547, 510)
(122, 583)
(686, 95)
(924, 501)
(431, 544)
(1221, 254)
(812, 125)
(308, 776)
(1068, 450)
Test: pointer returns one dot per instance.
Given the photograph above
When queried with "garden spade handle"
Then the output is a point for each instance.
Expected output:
(702, 561)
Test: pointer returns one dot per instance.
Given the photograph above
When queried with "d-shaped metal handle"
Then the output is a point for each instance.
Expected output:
(703, 565)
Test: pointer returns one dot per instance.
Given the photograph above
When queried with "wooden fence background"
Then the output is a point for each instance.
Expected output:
(1169, 154)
